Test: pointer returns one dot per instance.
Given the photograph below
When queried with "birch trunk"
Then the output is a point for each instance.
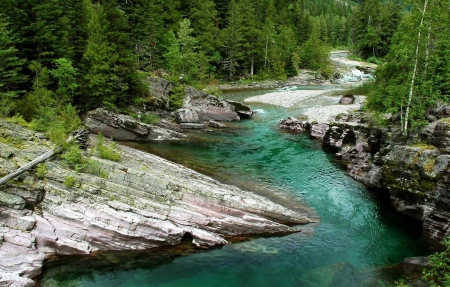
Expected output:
(416, 63)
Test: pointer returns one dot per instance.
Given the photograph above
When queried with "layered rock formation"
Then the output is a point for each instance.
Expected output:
(414, 170)
(125, 128)
(141, 202)
(200, 107)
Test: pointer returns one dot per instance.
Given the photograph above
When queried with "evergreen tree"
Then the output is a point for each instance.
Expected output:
(232, 40)
(100, 78)
(10, 66)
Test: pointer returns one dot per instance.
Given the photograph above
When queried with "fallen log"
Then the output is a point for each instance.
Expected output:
(79, 136)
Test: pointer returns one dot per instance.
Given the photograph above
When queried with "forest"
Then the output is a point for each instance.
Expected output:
(60, 58)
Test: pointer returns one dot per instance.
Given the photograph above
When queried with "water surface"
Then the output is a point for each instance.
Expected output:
(358, 241)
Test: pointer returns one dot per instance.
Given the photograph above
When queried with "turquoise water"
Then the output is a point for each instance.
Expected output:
(358, 241)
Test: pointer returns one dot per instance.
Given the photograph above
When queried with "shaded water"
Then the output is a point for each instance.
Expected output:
(357, 243)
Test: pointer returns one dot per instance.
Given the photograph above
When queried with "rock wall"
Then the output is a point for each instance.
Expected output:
(415, 171)
(141, 202)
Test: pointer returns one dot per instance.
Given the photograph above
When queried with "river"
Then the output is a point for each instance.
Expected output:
(358, 242)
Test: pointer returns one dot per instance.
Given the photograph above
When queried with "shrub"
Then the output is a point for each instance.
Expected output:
(150, 118)
(176, 97)
(106, 151)
(438, 274)
(41, 170)
(95, 168)
(74, 159)
(17, 119)
(69, 181)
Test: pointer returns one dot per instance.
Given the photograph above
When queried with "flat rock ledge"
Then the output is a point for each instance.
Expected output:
(125, 128)
(141, 202)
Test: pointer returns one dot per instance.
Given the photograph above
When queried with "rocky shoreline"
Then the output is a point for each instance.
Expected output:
(413, 171)
(139, 203)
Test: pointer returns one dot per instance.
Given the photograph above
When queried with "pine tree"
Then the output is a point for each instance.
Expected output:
(100, 69)
(10, 66)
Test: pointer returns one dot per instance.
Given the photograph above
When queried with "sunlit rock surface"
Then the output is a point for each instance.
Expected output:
(139, 203)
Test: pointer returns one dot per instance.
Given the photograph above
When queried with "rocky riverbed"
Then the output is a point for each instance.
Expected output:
(139, 203)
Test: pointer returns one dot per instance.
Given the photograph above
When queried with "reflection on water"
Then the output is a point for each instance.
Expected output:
(358, 242)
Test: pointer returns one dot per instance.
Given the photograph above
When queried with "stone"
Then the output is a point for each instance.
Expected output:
(159, 90)
(125, 128)
(185, 116)
(216, 125)
(347, 100)
(243, 111)
(208, 107)
(191, 126)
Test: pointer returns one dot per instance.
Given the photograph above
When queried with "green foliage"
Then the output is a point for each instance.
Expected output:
(411, 79)
(17, 119)
(95, 168)
(438, 273)
(176, 97)
(106, 151)
(41, 170)
(65, 75)
(69, 181)
(314, 55)
(150, 118)
(73, 158)
(374, 24)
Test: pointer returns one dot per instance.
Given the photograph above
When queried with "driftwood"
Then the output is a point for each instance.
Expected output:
(29, 165)
(79, 136)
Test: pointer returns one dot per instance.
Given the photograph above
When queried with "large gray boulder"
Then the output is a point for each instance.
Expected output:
(199, 107)
(125, 128)
(159, 91)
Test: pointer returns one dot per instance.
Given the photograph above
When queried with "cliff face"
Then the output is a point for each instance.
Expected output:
(141, 202)
(415, 171)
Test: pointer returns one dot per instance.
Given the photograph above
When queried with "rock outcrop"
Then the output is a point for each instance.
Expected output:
(141, 202)
(159, 91)
(199, 107)
(125, 128)
(414, 171)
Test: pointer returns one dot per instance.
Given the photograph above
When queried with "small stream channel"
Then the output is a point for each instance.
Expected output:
(358, 242)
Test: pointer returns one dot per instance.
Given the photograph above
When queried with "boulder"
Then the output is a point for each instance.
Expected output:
(243, 111)
(216, 125)
(208, 107)
(347, 100)
(125, 128)
(159, 90)
(186, 116)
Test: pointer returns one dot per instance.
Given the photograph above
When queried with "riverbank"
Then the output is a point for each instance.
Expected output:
(139, 203)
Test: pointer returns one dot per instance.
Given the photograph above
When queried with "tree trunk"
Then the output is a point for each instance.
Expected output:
(79, 136)
(252, 64)
(30, 165)
(416, 63)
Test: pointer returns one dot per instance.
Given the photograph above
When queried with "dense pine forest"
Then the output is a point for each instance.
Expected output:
(59, 58)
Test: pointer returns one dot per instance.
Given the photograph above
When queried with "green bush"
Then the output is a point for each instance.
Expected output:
(150, 118)
(74, 159)
(17, 119)
(176, 97)
(41, 170)
(69, 181)
(106, 151)
(95, 168)
(438, 274)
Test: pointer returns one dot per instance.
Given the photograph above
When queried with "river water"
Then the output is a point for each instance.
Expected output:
(358, 242)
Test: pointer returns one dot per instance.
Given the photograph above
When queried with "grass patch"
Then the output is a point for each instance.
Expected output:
(11, 141)
(424, 146)
(106, 151)
(69, 181)
(41, 170)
